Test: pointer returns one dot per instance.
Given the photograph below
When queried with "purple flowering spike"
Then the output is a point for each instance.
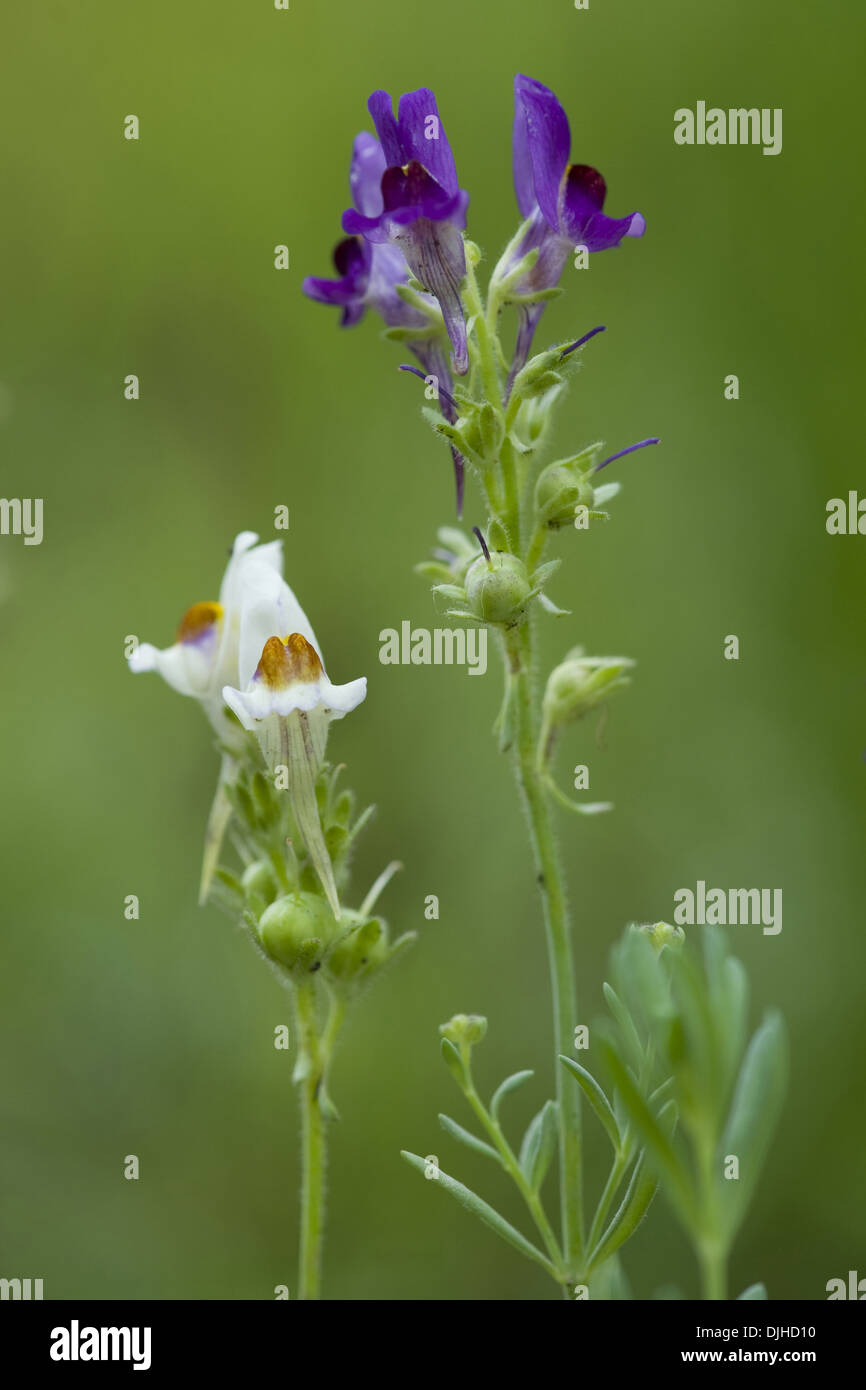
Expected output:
(422, 209)
(564, 203)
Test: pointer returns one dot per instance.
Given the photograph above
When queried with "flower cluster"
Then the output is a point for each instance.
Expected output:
(404, 254)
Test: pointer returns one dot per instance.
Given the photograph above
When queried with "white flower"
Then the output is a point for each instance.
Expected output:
(254, 651)
(206, 653)
(288, 703)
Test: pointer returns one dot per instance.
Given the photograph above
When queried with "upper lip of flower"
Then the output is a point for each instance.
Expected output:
(417, 177)
(404, 140)
(369, 272)
(205, 652)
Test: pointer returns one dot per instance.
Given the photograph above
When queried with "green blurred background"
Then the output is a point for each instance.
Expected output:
(155, 1037)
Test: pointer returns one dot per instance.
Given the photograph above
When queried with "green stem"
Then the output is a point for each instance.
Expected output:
(537, 547)
(512, 494)
(313, 1147)
(712, 1250)
(552, 886)
(486, 353)
(611, 1187)
(514, 1171)
(714, 1273)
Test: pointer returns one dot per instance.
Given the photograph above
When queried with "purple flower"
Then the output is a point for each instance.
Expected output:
(369, 273)
(563, 202)
(419, 206)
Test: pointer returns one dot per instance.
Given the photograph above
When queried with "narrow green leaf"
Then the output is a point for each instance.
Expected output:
(484, 1212)
(660, 1091)
(463, 1136)
(753, 1115)
(695, 1053)
(539, 1144)
(754, 1291)
(731, 1005)
(633, 1208)
(597, 1099)
(658, 1146)
(510, 1084)
(454, 1062)
(632, 1041)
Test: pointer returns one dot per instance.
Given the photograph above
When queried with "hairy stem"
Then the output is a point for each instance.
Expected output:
(513, 1169)
(518, 643)
(312, 1149)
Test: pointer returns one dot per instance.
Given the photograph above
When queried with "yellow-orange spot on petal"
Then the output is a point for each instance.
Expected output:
(283, 662)
(197, 620)
(304, 658)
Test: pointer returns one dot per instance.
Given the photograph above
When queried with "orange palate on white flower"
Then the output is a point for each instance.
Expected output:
(287, 661)
(197, 620)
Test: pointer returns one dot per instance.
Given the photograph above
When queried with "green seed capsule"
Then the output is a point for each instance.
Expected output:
(498, 589)
(295, 931)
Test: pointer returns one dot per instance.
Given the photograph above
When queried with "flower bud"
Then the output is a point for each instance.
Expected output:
(295, 931)
(498, 589)
(581, 682)
(361, 950)
(538, 375)
(259, 882)
(662, 934)
(464, 1030)
(558, 492)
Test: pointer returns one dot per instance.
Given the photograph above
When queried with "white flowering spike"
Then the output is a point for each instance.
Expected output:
(288, 703)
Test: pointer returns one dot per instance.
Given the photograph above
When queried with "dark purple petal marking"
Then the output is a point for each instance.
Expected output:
(411, 192)
(352, 259)
(581, 218)
(630, 450)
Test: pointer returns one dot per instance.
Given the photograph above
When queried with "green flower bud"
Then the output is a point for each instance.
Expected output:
(498, 589)
(581, 682)
(259, 882)
(296, 930)
(361, 950)
(558, 492)
(662, 934)
(464, 1030)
